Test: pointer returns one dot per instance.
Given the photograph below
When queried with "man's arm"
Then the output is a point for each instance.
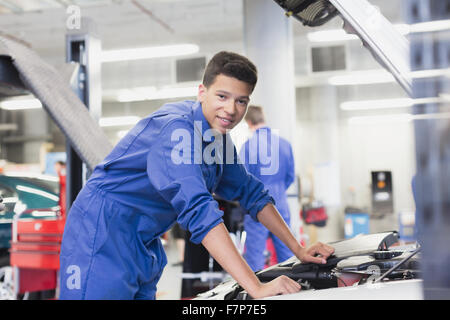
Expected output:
(272, 220)
(219, 244)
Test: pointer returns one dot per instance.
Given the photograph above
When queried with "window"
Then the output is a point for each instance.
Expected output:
(328, 58)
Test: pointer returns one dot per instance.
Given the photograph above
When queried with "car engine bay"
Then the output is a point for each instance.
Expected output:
(378, 257)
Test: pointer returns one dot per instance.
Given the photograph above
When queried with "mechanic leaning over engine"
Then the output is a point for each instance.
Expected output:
(157, 175)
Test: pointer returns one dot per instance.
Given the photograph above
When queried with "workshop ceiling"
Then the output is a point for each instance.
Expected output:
(211, 24)
(41, 24)
(131, 23)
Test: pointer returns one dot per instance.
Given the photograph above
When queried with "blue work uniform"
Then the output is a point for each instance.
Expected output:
(111, 246)
(268, 157)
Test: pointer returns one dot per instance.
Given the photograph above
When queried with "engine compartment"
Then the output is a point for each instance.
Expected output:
(356, 261)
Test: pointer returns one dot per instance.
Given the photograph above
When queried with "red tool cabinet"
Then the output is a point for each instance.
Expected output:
(35, 247)
(35, 253)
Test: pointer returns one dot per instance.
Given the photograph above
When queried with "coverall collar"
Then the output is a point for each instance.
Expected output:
(264, 127)
(259, 130)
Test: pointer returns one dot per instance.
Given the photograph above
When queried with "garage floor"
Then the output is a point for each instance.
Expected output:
(169, 286)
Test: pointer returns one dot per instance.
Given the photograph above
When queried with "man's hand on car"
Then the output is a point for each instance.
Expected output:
(317, 253)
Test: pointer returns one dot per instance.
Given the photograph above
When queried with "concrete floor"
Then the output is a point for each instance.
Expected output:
(169, 286)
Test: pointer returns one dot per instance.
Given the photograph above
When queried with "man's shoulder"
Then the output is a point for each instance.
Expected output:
(175, 113)
(175, 109)
(284, 141)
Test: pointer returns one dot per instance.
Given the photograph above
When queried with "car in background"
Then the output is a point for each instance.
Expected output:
(34, 196)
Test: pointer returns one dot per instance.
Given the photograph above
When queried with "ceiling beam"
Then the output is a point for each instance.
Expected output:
(152, 16)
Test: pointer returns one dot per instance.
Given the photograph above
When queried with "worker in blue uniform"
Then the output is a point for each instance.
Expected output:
(269, 158)
(165, 171)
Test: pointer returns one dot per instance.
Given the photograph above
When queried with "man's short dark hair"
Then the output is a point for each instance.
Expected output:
(232, 65)
(255, 115)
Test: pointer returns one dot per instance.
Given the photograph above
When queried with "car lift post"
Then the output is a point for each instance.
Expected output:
(83, 46)
(431, 51)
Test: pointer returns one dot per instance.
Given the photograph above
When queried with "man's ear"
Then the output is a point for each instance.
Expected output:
(201, 92)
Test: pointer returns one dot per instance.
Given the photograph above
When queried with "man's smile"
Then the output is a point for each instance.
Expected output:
(225, 120)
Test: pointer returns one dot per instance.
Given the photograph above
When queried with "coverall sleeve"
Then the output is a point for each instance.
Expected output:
(172, 171)
(237, 184)
(290, 174)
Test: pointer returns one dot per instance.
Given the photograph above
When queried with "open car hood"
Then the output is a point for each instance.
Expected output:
(387, 45)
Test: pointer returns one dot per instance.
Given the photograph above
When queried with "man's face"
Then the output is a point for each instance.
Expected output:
(225, 102)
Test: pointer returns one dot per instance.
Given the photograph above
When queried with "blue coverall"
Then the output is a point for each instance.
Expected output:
(263, 150)
(111, 246)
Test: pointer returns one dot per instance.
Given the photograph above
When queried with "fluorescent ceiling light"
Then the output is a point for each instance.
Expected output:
(335, 35)
(391, 118)
(330, 35)
(432, 116)
(149, 52)
(430, 26)
(21, 104)
(419, 74)
(381, 76)
(396, 118)
(118, 121)
(388, 103)
(151, 93)
(362, 77)
(376, 104)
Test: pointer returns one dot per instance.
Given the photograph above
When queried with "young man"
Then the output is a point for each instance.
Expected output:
(158, 174)
(269, 158)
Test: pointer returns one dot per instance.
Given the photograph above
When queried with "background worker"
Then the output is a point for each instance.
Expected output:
(60, 169)
(265, 145)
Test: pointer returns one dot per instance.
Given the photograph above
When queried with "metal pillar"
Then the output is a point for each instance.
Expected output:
(83, 46)
(269, 44)
(431, 51)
